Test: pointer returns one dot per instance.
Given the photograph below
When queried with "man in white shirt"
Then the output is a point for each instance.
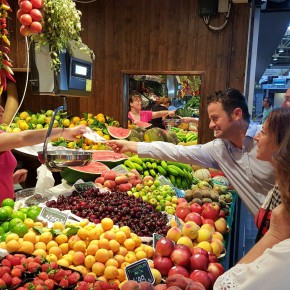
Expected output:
(233, 151)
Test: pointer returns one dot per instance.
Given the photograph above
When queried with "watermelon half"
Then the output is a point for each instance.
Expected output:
(109, 158)
(118, 132)
(143, 124)
(87, 173)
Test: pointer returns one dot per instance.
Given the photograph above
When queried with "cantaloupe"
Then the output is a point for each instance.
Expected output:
(202, 174)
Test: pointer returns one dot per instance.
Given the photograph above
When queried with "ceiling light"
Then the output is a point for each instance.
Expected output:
(275, 58)
(281, 50)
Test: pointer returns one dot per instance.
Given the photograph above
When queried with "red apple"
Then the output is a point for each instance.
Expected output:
(160, 287)
(216, 268)
(212, 258)
(195, 217)
(209, 212)
(199, 251)
(212, 277)
(180, 257)
(222, 214)
(207, 221)
(181, 200)
(182, 210)
(205, 205)
(164, 247)
(163, 265)
(178, 270)
(216, 206)
(198, 262)
(195, 207)
(184, 247)
(201, 277)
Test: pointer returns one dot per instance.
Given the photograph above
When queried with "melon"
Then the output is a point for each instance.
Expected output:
(202, 174)
(143, 124)
(109, 158)
(118, 132)
(220, 180)
(87, 173)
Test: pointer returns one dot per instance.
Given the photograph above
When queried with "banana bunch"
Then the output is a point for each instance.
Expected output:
(179, 174)
(185, 136)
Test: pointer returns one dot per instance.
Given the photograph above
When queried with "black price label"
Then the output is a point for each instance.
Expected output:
(82, 187)
(53, 215)
(140, 271)
(156, 237)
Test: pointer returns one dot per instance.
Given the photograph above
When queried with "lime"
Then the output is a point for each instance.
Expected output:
(2, 231)
(14, 222)
(5, 226)
(18, 214)
(35, 207)
(9, 209)
(32, 214)
(3, 237)
(8, 202)
(24, 210)
(20, 229)
(4, 214)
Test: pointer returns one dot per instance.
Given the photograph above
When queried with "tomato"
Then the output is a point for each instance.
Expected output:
(37, 3)
(19, 13)
(25, 6)
(25, 31)
(36, 14)
(35, 27)
(25, 19)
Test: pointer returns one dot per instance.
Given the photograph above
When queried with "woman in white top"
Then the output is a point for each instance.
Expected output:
(267, 264)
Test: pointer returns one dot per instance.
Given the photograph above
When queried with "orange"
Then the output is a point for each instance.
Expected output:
(40, 252)
(63, 262)
(90, 261)
(109, 235)
(92, 249)
(64, 248)
(111, 272)
(56, 251)
(40, 245)
(79, 246)
(93, 234)
(120, 237)
(130, 258)
(78, 258)
(76, 120)
(107, 224)
(129, 244)
(140, 255)
(121, 275)
(126, 230)
(45, 237)
(103, 244)
(149, 251)
(98, 268)
(51, 244)
(102, 255)
(60, 239)
(26, 247)
(83, 233)
(112, 262)
(122, 251)
(120, 259)
(114, 245)
(12, 246)
(124, 265)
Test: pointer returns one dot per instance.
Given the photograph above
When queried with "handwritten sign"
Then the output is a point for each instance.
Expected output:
(178, 223)
(82, 187)
(120, 169)
(140, 271)
(52, 215)
(156, 237)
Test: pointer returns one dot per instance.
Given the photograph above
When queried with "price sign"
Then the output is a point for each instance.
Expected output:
(179, 224)
(164, 181)
(53, 215)
(140, 271)
(120, 169)
(82, 187)
(156, 237)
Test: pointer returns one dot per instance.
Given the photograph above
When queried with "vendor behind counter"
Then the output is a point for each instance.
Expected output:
(161, 105)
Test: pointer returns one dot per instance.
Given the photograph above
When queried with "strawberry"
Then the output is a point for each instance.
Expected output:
(90, 278)
(38, 259)
(53, 265)
(114, 286)
(83, 286)
(15, 281)
(59, 275)
(15, 272)
(2, 283)
(74, 278)
(7, 279)
(37, 281)
(39, 287)
(32, 267)
(6, 263)
(45, 267)
(43, 276)
(49, 283)
(20, 256)
(13, 260)
(63, 283)
(68, 272)
(29, 259)
(2, 271)
(20, 267)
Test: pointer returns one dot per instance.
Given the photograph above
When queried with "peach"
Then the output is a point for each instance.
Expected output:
(175, 288)
(176, 280)
(121, 179)
(146, 286)
(221, 226)
(160, 287)
(100, 180)
(110, 184)
(125, 187)
(134, 171)
(174, 234)
(190, 229)
(78, 258)
(131, 285)
(110, 175)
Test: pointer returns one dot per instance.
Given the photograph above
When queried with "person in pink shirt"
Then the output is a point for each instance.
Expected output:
(9, 141)
(136, 114)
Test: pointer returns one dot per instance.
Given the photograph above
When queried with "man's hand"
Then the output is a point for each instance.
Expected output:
(19, 176)
(122, 146)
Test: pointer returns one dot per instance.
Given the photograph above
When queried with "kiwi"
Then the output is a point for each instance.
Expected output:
(206, 200)
(188, 195)
(206, 193)
(196, 193)
(197, 200)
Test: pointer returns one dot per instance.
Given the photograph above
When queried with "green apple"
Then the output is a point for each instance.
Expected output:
(157, 183)
(170, 209)
(146, 187)
(145, 198)
(158, 208)
(153, 201)
(167, 203)
(136, 194)
(139, 186)
(168, 197)
(152, 187)
(159, 197)
(129, 192)
(155, 192)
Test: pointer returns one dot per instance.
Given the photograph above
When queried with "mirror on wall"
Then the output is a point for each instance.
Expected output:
(183, 89)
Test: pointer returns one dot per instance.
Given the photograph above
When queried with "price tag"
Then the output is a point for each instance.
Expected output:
(156, 237)
(82, 187)
(120, 169)
(179, 224)
(52, 215)
(140, 271)
(164, 181)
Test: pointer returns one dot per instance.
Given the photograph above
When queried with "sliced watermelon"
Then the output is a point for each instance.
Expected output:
(143, 124)
(87, 173)
(118, 132)
(109, 158)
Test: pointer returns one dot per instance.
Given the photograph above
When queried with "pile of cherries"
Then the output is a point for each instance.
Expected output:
(123, 209)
